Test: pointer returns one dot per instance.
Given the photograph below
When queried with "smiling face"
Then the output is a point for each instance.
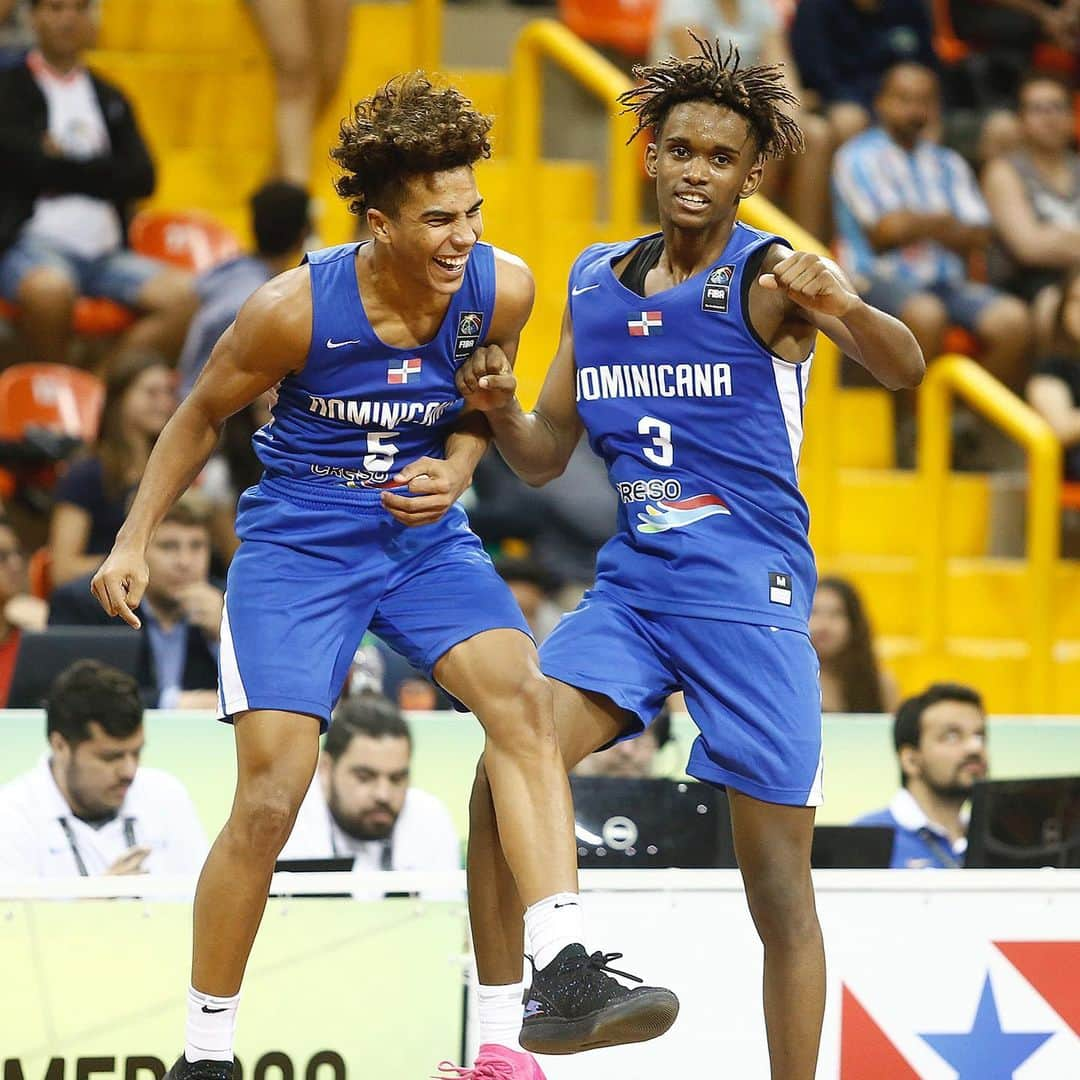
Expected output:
(434, 228)
(705, 160)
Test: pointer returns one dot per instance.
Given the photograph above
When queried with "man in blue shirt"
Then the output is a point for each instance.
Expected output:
(940, 738)
(909, 213)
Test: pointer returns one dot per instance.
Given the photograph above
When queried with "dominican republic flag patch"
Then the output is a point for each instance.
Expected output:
(650, 324)
(395, 376)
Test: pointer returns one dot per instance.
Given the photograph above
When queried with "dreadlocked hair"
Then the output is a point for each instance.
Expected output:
(756, 93)
(406, 128)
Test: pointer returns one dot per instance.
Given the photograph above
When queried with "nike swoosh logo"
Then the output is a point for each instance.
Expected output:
(207, 1009)
(332, 344)
(573, 903)
(575, 291)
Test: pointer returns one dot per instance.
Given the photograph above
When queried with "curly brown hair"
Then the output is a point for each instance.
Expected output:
(756, 93)
(406, 128)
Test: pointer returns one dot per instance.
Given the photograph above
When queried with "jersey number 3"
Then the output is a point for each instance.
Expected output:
(661, 452)
(380, 451)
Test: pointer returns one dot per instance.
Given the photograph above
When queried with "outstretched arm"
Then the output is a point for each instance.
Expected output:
(819, 297)
(269, 339)
(538, 444)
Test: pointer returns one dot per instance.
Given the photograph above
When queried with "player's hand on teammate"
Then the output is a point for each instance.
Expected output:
(434, 486)
(486, 380)
(813, 282)
(120, 583)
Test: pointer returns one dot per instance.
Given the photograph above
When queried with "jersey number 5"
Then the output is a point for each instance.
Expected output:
(661, 452)
(380, 452)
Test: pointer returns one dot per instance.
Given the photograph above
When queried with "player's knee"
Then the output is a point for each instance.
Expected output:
(521, 711)
(263, 816)
(782, 904)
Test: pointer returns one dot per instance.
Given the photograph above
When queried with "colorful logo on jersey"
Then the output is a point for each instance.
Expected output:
(468, 334)
(715, 295)
(679, 514)
(650, 324)
(395, 376)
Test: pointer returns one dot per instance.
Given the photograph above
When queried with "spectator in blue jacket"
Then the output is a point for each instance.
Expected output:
(940, 738)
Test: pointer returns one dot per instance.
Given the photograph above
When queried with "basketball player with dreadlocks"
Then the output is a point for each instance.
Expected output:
(684, 356)
(355, 524)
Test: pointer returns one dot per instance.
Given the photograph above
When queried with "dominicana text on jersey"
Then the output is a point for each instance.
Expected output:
(360, 409)
(700, 426)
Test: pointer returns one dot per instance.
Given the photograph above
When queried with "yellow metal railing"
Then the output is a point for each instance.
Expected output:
(959, 376)
(427, 31)
(546, 39)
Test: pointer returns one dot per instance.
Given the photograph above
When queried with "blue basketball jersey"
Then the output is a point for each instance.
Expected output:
(360, 410)
(700, 426)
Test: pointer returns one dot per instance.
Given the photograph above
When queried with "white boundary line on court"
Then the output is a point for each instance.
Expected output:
(616, 880)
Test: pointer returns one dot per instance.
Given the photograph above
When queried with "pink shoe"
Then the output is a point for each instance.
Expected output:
(496, 1062)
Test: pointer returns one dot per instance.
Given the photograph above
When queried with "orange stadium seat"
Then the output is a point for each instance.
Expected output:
(39, 571)
(1070, 495)
(189, 239)
(626, 25)
(56, 397)
(94, 316)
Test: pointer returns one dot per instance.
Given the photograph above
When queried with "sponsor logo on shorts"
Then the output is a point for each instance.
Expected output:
(677, 514)
(353, 477)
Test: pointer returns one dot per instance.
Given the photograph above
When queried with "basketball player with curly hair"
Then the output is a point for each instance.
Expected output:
(684, 356)
(355, 525)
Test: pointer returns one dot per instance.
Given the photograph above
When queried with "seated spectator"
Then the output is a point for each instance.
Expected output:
(908, 214)
(180, 612)
(532, 587)
(18, 609)
(634, 758)
(280, 221)
(1054, 388)
(851, 681)
(1034, 196)
(91, 498)
(73, 161)
(844, 47)
(799, 183)
(940, 738)
(361, 804)
(89, 808)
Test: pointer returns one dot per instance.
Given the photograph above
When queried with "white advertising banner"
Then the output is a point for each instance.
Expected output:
(933, 975)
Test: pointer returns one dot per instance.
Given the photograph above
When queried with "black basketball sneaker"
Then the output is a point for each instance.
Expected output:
(200, 1070)
(574, 1004)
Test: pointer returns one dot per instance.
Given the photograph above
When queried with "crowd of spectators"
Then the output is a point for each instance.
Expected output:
(947, 185)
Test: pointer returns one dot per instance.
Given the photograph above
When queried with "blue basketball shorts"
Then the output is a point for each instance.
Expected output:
(752, 691)
(311, 577)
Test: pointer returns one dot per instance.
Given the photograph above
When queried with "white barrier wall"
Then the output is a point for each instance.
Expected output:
(933, 975)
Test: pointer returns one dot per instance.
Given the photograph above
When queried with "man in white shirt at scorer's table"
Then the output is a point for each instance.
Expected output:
(360, 805)
(88, 808)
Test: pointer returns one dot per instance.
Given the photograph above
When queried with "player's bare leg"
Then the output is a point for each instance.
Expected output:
(584, 722)
(772, 844)
(276, 753)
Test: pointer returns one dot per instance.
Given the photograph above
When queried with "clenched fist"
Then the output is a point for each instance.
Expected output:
(486, 380)
(813, 282)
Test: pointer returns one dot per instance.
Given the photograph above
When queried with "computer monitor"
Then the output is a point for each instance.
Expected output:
(44, 654)
(1025, 823)
(852, 847)
(625, 822)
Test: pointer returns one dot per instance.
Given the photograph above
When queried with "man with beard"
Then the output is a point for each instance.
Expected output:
(360, 803)
(940, 738)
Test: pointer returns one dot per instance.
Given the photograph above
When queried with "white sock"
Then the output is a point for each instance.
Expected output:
(552, 924)
(500, 1015)
(211, 1024)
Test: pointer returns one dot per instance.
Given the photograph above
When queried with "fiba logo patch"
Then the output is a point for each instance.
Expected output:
(468, 333)
(714, 297)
